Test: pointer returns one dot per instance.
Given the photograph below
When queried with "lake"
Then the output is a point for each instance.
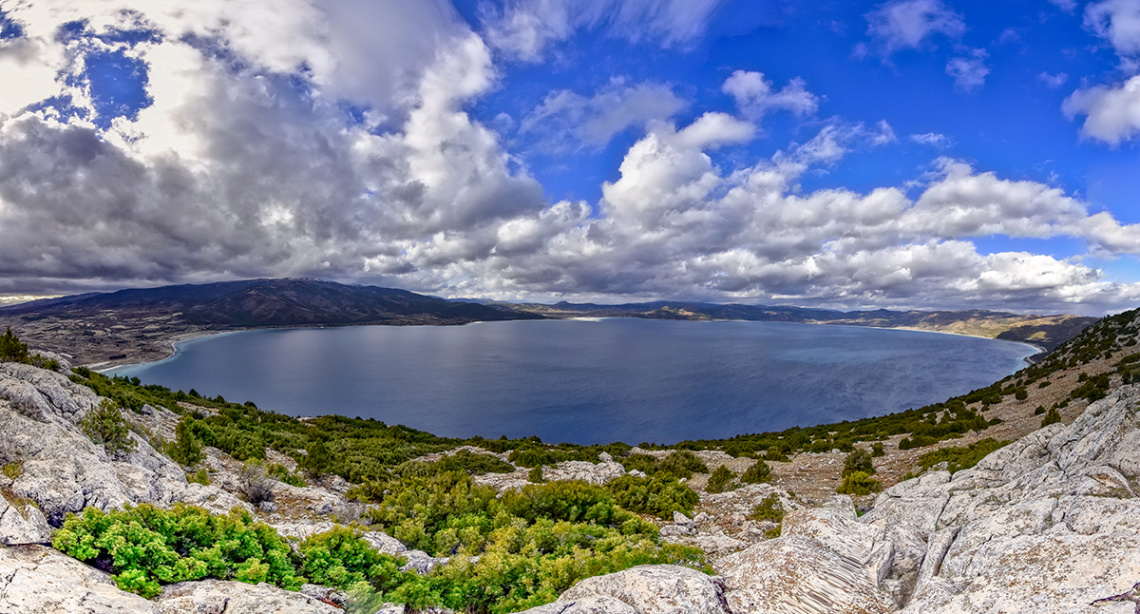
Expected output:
(585, 381)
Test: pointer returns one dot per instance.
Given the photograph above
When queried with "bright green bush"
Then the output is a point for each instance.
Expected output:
(958, 458)
(858, 483)
(147, 546)
(106, 426)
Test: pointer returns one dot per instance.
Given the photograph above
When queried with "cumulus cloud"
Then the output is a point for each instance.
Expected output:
(1053, 81)
(969, 71)
(525, 28)
(1112, 115)
(756, 98)
(908, 24)
(567, 121)
(1118, 22)
(257, 156)
(933, 139)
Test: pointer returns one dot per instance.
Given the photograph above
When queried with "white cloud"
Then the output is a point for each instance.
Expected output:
(525, 28)
(1111, 115)
(1053, 81)
(246, 166)
(1065, 5)
(1118, 22)
(908, 24)
(755, 97)
(969, 71)
(566, 120)
(932, 139)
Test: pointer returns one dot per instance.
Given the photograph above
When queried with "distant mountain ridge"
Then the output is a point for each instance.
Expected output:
(273, 302)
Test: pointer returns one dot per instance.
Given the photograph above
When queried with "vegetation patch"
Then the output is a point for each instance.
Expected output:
(106, 426)
(720, 480)
(14, 350)
(958, 458)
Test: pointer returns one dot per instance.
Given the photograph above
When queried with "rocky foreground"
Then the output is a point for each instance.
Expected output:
(1050, 523)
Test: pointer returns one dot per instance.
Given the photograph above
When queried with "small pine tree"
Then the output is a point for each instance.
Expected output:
(185, 450)
(317, 458)
(105, 425)
(1052, 417)
(11, 348)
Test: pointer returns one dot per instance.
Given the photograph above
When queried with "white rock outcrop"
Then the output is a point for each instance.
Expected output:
(645, 589)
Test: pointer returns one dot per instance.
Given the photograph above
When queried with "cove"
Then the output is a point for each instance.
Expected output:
(584, 382)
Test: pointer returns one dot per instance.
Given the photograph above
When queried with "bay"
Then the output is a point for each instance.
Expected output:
(586, 381)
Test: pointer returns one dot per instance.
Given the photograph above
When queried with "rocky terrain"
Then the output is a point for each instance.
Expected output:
(1049, 523)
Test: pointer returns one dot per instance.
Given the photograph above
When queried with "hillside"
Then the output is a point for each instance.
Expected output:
(138, 324)
(1046, 332)
(371, 513)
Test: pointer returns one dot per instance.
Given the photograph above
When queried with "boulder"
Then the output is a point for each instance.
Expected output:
(39, 580)
(219, 597)
(645, 589)
(20, 527)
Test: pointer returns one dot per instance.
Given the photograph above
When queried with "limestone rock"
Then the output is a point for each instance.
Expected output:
(585, 471)
(20, 527)
(218, 597)
(1050, 523)
(645, 589)
(39, 580)
(795, 574)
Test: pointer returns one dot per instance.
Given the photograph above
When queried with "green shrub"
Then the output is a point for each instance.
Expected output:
(958, 458)
(1021, 394)
(769, 509)
(185, 449)
(106, 426)
(535, 475)
(756, 473)
(877, 450)
(858, 483)
(282, 474)
(858, 461)
(682, 464)
(318, 459)
(659, 495)
(720, 479)
(1052, 417)
(146, 546)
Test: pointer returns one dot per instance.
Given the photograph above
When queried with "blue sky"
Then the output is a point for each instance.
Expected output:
(910, 153)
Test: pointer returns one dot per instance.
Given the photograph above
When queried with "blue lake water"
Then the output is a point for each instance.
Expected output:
(588, 381)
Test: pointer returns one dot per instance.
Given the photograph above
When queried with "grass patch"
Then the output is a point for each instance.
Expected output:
(959, 458)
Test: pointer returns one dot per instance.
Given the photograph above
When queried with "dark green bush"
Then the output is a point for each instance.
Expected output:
(758, 472)
(1052, 417)
(877, 450)
(858, 461)
(106, 426)
(720, 479)
(681, 464)
(660, 495)
(185, 449)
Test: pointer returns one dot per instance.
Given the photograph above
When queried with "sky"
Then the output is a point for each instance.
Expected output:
(931, 154)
